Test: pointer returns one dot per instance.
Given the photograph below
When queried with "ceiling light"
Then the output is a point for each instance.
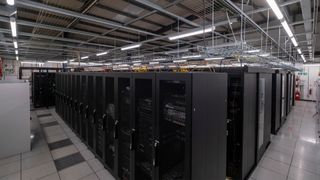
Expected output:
(192, 33)
(137, 64)
(303, 58)
(153, 63)
(287, 28)
(10, 2)
(294, 42)
(311, 65)
(176, 51)
(123, 65)
(31, 62)
(101, 54)
(191, 56)
(299, 51)
(214, 58)
(139, 56)
(15, 44)
(85, 57)
(309, 47)
(160, 59)
(108, 64)
(265, 55)
(17, 58)
(275, 8)
(13, 25)
(71, 60)
(16, 51)
(179, 61)
(58, 62)
(253, 51)
(130, 47)
(136, 61)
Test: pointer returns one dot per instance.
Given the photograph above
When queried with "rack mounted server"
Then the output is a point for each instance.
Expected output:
(150, 126)
(249, 118)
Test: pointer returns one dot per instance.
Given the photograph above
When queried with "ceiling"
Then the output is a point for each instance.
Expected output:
(64, 30)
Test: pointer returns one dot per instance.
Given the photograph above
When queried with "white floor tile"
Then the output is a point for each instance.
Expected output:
(10, 168)
(76, 172)
(39, 171)
(62, 152)
(53, 176)
(95, 164)
(87, 154)
(36, 160)
(105, 175)
(90, 177)
(14, 176)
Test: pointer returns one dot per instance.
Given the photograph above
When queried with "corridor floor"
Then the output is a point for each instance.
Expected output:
(57, 154)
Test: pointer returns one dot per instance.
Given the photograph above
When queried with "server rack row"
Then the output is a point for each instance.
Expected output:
(149, 126)
(43, 89)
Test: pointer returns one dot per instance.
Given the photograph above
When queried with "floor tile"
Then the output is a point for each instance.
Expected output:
(90, 177)
(54, 176)
(44, 114)
(9, 160)
(105, 175)
(59, 144)
(69, 161)
(39, 171)
(81, 146)
(36, 160)
(14, 176)
(76, 172)
(275, 166)
(265, 174)
(300, 174)
(95, 164)
(282, 157)
(8, 169)
(87, 154)
(57, 137)
(65, 151)
(48, 124)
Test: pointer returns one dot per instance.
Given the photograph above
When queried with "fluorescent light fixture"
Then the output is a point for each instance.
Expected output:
(311, 65)
(58, 62)
(72, 60)
(13, 25)
(287, 28)
(123, 65)
(160, 59)
(176, 51)
(17, 58)
(137, 61)
(31, 62)
(309, 47)
(180, 61)
(137, 64)
(85, 57)
(275, 8)
(16, 51)
(102, 53)
(303, 58)
(191, 56)
(193, 32)
(294, 42)
(139, 56)
(15, 44)
(10, 2)
(265, 55)
(153, 63)
(214, 58)
(299, 50)
(133, 46)
(253, 51)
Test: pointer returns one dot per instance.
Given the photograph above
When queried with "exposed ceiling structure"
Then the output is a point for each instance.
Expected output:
(73, 29)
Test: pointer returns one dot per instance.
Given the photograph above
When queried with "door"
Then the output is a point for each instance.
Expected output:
(173, 125)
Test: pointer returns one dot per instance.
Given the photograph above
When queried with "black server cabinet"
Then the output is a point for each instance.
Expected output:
(276, 102)
(284, 97)
(264, 112)
(294, 83)
(64, 89)
(68, 94)
(289, 93)
(77, 117)
(83, 106)
(99, 123)
(110, 123)
(57, 107)
(144, 116)
(174, 125)
(242, 122)
(125, 133)
(43, 89)
(91, 112)
(73, 101)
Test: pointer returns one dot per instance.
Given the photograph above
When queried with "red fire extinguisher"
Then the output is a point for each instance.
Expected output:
(297, 96)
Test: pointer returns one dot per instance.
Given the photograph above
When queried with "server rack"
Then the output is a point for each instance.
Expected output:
(144, 107)
(289, 92)
(77, 118)
(284, 97)
(132, 140)
(125, 132)
(43, 89)
(276, 102)
(73, 101)
(249, 118)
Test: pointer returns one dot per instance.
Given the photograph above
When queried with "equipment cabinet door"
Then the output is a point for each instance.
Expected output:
(173, 125)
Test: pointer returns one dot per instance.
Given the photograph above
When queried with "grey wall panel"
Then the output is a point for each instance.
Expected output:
(209, 126)
(249, 123)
